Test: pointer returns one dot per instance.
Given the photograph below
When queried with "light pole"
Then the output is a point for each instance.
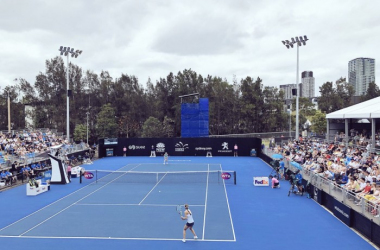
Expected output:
(87, 125)
(7, 90)
(9, 113)
(298, 41)
(67, 51)
(290, 122)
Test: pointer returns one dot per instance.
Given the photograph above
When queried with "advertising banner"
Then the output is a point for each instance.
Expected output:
(342, 212)
(181, 146)
(261, 181)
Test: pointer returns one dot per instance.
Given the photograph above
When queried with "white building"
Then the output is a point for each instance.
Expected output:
(308, 84)
(361, 71)
(287, 88)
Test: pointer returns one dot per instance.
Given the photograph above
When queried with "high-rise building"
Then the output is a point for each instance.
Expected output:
(287, 88)
(361, 71)
(308, 84)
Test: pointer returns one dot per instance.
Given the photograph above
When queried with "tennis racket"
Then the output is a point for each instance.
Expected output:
(179, 209)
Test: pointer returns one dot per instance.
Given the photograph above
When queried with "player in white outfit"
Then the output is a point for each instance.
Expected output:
(189, 224)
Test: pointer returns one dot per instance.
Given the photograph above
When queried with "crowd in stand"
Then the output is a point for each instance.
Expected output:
(355, 169)
(15, 148)
(21, 143)
(362, 139)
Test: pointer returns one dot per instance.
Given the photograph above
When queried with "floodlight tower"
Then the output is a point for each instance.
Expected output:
(289, 44)
(67, 51)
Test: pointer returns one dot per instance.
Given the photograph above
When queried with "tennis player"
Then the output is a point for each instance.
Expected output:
(189, 224)
(166, 156)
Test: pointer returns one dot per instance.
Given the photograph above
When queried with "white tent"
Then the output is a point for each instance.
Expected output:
(369, 109)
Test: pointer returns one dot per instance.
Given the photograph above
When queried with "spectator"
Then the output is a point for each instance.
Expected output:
(5, 178)
(275, 182)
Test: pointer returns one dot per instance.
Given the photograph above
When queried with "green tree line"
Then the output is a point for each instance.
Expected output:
(125, 107)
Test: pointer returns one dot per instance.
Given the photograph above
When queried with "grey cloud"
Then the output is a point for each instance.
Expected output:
(205, 36)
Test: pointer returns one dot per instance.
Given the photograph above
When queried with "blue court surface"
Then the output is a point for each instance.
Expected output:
(134, 207)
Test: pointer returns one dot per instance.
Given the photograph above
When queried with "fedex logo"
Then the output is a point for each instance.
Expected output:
(261, 181)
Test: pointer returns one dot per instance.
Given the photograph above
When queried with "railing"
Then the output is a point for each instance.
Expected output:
(359, 204)
(258, 135)
(29, 158)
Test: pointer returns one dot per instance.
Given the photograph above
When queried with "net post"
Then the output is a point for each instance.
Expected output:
(96, 176)
(235, 177)
(80, 177)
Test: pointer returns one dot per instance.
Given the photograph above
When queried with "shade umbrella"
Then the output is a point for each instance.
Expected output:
(277, 156)
(296, 164)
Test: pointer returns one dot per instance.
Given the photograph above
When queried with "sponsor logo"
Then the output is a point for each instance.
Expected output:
(160, 147)
(342, 212)
(37, 191)
(261, 181)
(134, 147)
(180, 147)
(43, 188)
(226, 176)
(315, 194)
(203, 148)
(225, 148)
(88, 175)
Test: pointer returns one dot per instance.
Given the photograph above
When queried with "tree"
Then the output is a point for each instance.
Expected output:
(243, 106)
(80, 132)
(275, 118)
(152, 128)
(168, 127)
(306, 107)
(335, 97)
(326, 100)
(372, 92)
(106, 124)
(318, 122)
(252, 103)
(344, 93)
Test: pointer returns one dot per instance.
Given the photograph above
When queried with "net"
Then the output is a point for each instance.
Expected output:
(217, 176)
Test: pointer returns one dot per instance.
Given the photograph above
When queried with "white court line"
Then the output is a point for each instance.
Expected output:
(71, 205)
(109, 238)
(121, 204)
(51, 204)
(228, 204)
(204, 215)
(205, 163)
(153, 188)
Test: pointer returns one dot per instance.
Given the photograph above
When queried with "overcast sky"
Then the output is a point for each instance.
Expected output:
(220, 38)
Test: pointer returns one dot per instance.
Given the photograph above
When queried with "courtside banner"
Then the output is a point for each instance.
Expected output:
(261, 181)
(342, 212)
(181, 146)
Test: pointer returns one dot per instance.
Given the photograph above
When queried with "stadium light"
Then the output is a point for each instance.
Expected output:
(298, 41)
(66, 51)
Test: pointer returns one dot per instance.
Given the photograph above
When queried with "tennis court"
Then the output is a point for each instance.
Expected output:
(132, 204)
(136, 203)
